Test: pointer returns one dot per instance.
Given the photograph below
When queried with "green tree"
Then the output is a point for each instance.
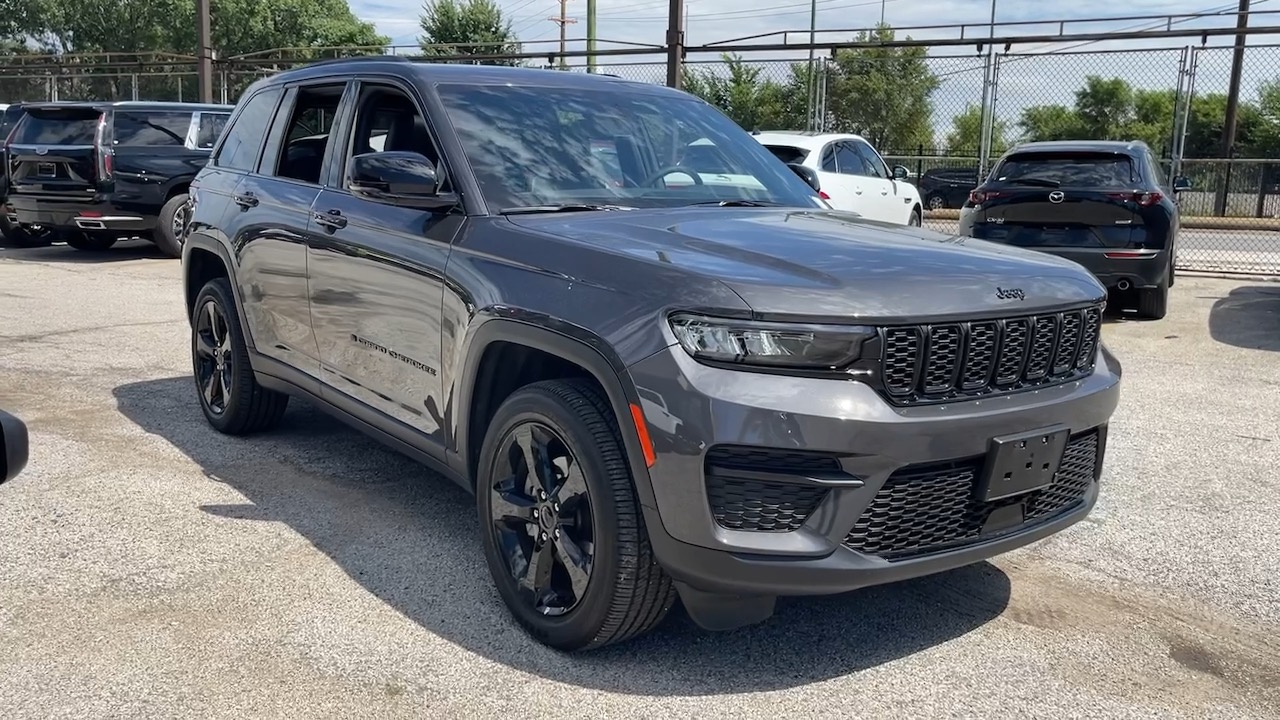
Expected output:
(755, 103)
(884, 94)
(965, 137)
(467, 27)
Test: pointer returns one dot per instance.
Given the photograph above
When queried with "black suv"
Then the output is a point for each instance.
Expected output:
(1104, 204)
(716, 388)
(943, 188)
(94, 173)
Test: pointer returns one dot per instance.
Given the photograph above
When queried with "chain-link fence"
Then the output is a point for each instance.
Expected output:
(931, 109)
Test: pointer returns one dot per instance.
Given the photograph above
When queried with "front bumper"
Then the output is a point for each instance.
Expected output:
(911, 508)
(94, 215)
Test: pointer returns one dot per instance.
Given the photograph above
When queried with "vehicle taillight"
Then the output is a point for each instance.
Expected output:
(103, 145)
(823, 194)
(977, 197)
(1145, 199)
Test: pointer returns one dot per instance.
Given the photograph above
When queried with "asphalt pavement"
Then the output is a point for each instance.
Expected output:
(152, 568)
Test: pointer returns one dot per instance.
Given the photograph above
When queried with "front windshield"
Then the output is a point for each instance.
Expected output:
(538, 146)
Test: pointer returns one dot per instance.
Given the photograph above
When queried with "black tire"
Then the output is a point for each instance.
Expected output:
(626, 592)
(168, 235)
(238, 405)
(917, 217)
(936, 202)
(1153, 303)
(91, 242)
(17, 236)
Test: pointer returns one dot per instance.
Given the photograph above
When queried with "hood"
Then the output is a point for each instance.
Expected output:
(824, 264)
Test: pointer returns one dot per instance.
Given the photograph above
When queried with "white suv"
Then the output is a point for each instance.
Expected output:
(854, 176)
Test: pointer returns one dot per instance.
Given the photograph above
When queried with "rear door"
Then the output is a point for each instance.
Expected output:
(52, 152)
(1079, 200)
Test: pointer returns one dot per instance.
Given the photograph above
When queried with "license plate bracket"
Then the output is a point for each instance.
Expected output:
(1022, 463)
(45, 169)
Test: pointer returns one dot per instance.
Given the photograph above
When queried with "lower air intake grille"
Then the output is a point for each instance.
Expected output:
(743, 503)
(929, 508)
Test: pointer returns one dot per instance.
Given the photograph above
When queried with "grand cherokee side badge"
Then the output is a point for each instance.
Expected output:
(1010, 294)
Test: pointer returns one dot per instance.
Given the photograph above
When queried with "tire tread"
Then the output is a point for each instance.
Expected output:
(256, 408)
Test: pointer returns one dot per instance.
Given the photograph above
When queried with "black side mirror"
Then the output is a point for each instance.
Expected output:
(808, 174)
(1181, 182)
(14, 444)
(396, 178)
(900, 172)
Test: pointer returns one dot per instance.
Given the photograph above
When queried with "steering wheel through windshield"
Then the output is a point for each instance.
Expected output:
(654, 178)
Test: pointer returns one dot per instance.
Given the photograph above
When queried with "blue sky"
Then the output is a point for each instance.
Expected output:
(1023, 81)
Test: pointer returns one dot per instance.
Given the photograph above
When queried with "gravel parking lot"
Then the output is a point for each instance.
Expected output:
(149, 567)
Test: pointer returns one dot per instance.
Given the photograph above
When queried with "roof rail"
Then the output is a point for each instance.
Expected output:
(357, 58)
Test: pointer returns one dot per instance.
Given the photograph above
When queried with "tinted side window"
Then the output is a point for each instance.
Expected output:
(871, 160)
(135, 128)
(849, 161)
(243, 140)
(208, 128)
(307, 135)
(829, 158)
(788, 153)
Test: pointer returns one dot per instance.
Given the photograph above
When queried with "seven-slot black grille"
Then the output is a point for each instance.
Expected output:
(750, 503)
(929, 508)
(933, 363)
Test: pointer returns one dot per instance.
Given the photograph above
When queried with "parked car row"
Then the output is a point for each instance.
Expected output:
(92, 173)
(664, 364)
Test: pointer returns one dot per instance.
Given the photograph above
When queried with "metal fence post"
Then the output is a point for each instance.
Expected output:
(988, 114)
(1182, 116)
(133, 81)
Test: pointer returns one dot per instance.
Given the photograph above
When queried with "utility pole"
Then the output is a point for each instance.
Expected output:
(591, 36)
(1233, 104)
(811, 123)
(204, 53)
(988, 113)
(562, 21)
(675, 42)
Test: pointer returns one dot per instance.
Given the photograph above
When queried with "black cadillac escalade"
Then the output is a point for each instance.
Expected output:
(95, 172)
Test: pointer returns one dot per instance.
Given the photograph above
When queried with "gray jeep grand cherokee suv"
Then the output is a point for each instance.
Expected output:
(657, 383)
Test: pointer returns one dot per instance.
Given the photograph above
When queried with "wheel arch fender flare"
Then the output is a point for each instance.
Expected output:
(564, 340)
(200, 243)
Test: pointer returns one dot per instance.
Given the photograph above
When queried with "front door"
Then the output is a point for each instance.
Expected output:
(879, 185)
(377, 272)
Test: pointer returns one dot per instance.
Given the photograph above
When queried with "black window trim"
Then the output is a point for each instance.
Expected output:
(336, 173)
(280, 125)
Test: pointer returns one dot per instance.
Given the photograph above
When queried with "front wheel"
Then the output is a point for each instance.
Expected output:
(562, 530)
(917, 218)
(171, 226)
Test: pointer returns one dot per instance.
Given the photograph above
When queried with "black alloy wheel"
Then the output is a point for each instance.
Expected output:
(215, 361)
(563, 533)
(540, 508)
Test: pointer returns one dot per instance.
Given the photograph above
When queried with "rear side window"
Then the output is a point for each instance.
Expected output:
(135, 128)
(76, 127)
(243, 139)
(11, 117)
(209, 127)
(1070, 170)
(788, 154)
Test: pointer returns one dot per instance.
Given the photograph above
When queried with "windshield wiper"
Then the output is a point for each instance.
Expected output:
(1038, 182)
(560, 207)
(737, 203)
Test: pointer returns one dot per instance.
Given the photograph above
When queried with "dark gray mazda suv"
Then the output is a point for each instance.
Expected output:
(657, 382)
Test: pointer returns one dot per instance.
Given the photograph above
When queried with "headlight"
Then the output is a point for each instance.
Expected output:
(771, 344)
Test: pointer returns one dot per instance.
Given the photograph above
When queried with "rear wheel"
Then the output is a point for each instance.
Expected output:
(562, 531)
(91, 242)
(171, 226)
(936, 202)
(230, 396)
(19, 236)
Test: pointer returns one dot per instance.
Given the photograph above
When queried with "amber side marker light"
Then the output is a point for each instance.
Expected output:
(642, 429)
